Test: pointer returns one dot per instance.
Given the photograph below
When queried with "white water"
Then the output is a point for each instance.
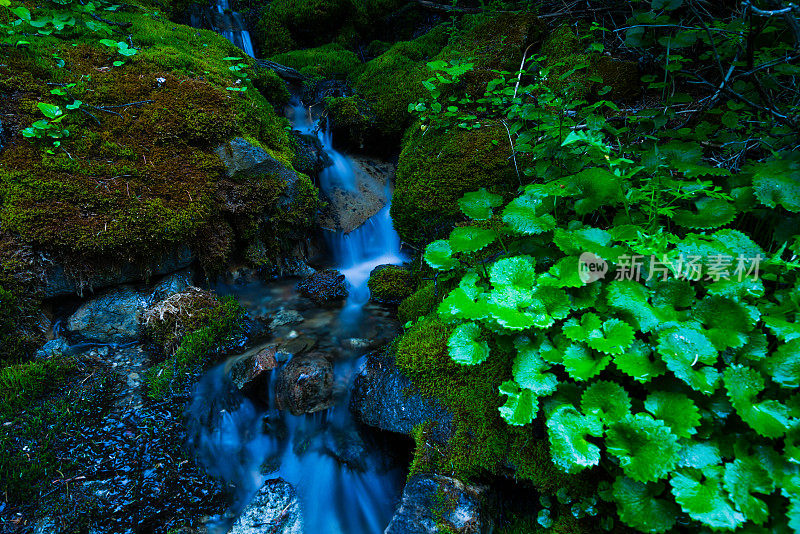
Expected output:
(230, 26)
(234, 439)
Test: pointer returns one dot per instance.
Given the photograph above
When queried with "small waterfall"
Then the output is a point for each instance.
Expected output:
(345, 485)
(230, 25)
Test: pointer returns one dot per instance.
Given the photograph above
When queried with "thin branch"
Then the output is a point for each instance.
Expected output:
(110, 22)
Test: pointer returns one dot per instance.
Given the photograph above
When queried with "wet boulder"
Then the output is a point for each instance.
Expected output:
(251, 372)
(348, 208)
(110, 318)
(310, 157)
(385, 398)
(434, 504)
(324, 287)
(390, 284)
(306, 384)
(275, 509)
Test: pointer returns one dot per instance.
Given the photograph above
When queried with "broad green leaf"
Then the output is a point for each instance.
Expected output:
(521, 405)
(465, 345)
(565, 273)
(607, 400)
(785, 330)
(676, 410)
(639, 507)
(777, 182)
(22, 12)
(699, 454)
(471, 239)
(727, 320)
(684, 350)
(610, 337)
(646, 448)
(478, 205)
(769, 418)
(513, 319)
(529, 367)
(784, 365)
(515, 271)
(711, 213)
(632, 298)
(587, 239)
(639, 363)
(439, 255)
(567, 430)
(51, 111)
(527, 215)
(458, 306)
(598, 187)
(743, 477)
(700, 494)
(5, 3)
(582, 363)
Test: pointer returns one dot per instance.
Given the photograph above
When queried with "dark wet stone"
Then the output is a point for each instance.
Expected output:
(110, 318)
(275, 509)
(324, 287)
(252, 372)
(347, 448)
(385, 398)
(433, 501)
(306, 384)
(310, 156)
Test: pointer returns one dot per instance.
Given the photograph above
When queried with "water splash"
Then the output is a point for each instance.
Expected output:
(231, 26)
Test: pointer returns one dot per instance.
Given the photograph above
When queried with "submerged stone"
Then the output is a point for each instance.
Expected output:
(324, 287)
(275, 509)
(435, 504)
(306, 384)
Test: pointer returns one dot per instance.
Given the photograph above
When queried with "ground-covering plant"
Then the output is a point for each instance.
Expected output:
(646, 271)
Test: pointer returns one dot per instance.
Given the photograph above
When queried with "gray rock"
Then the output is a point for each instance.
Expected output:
(385, 398)
(241, 157)
(464, 507)
(310, 156)
(305, 384)
(275, 509)
(60, 284)
(283, 317)
(252, 370)
(110, 318)
(169, 285)
(347, 210)
(54, 347)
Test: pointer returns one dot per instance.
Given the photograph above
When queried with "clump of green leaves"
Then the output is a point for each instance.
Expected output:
(239, 69)
(676, 375)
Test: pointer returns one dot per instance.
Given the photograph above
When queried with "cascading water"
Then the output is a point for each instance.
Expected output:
(345, 485)
(231, 26)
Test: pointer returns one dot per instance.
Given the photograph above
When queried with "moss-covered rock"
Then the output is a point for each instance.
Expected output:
(390, 284)
(327, 61)
(394, 79)
(436, 168)
(191, 328)
(419, 304)
(350, 120)
(482, 442)
(272, 87)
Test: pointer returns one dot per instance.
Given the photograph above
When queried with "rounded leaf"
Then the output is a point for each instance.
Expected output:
(639, 507)
(478, 205)
(676, 410)
(465, 347)
(607, 400)
(646, 448)
(439, 255)
(471, 239)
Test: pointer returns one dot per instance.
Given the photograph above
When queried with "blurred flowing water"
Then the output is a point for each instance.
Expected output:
(346, 482)
(231, 26)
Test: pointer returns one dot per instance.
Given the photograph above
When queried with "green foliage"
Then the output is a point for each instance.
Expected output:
(210, 331)
(650, 377)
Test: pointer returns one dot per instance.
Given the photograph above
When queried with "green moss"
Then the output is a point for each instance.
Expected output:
(287, 24)
(482, 442)
(390, 284)
(436, 168)
(45, 409)
(217, 325)
(327, 61)
(272, 87)
(422, 302)
(394, 79)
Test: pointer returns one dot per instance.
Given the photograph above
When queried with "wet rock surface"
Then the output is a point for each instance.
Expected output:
(431, 501)
(310, 156)
(347, 209)
(252, 371)
(274, 510)
(59, 283)
(386, 399)
(305, 384)
(110, 318)
(324, 287)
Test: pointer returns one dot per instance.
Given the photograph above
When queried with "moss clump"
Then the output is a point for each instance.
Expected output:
(350, 119)
(328, 61)
(394, 79)
(20, 327)
(207, 326)
(45, 410)
(272, 87)
(482, 442)
(563, 52)
(436, 168)
(422, 302)
(390, 284)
